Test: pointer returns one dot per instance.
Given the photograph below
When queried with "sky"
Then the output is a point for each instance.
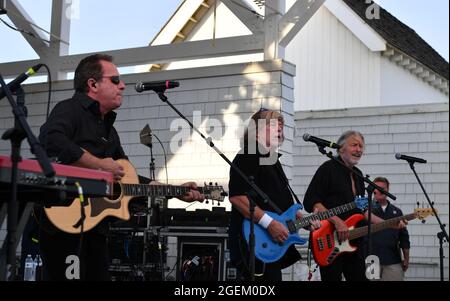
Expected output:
(101, 25)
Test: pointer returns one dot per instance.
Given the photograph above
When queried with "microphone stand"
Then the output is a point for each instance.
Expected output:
(370, 189)
(154, 209)
(254, 188)
(17, 134)
(443, 235)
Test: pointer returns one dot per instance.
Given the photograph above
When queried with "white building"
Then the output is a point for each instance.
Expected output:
(342, 58)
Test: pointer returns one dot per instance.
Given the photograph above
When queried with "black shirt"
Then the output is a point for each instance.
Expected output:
(331, 185)
(74, 124)
(269, 178)
(386, 244)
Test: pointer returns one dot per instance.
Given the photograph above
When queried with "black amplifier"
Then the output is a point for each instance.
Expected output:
(217, 217)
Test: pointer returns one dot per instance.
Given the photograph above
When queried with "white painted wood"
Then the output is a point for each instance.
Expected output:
(399, 86)
(295, 18)
(334, 68)
(176, 22)
(227, 25)
(157, 54)
(274, 10)
(59, 40)
(356, 25)
(245, 14)
(21, 19)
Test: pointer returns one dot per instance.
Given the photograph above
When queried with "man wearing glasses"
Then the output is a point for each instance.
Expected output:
(80, 132)
(388, 243)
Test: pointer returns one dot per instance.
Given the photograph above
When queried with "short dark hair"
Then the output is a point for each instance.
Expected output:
(89, 67)
(382, 180)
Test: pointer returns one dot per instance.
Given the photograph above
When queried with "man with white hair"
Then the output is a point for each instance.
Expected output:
(334, 185)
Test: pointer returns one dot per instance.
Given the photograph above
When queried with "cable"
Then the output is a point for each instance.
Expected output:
(171, 271)
(49, 81)
(35, 25)
(23, 31)
(83, 216)
(190, 205)
(165, 158)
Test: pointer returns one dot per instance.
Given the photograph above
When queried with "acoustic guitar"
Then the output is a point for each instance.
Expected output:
(72, 219)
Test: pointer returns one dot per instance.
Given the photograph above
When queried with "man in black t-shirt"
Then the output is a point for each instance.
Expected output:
(333, 185)
(259, 159)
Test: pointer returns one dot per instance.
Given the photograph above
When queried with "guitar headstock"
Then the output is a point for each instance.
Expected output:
(423, 213)
(214, 192)
(361, 202)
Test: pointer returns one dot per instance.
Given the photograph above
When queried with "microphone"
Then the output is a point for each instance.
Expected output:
(320, 142)
(156, 86)
(146, 136)
(409, 158)
(20, 79)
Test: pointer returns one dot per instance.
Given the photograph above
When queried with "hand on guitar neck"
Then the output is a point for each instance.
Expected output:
(193, 195)
(340, 226)
(88, 160)
(378, 220)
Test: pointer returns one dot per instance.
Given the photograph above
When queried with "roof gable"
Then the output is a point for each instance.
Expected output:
(402, 37)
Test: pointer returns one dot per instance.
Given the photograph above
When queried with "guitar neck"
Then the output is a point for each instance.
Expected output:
(306, 221)
(156, 190)
(359, 232)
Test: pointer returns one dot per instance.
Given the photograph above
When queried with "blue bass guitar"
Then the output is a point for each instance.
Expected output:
(268, 250)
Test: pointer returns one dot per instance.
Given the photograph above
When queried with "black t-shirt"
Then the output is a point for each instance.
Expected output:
(331, 185)
(76, 123)
(269, 178)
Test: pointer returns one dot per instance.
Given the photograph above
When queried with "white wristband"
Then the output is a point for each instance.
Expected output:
(265, 221)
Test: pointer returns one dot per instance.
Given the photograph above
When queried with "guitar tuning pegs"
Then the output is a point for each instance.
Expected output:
(210, 183)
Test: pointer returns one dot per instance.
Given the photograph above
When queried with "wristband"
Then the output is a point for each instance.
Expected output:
(265, 221)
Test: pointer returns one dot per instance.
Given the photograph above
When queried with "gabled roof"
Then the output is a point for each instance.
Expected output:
(395, 33)
(403, 38)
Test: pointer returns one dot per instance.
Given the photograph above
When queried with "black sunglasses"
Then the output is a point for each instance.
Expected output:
(115, 79)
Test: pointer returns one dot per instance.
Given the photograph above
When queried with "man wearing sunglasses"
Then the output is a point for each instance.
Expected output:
(80, 132)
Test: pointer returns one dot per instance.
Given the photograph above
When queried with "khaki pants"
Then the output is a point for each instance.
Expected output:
(393, 272)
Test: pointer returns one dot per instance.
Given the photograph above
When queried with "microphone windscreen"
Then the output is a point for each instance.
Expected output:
(306, 136)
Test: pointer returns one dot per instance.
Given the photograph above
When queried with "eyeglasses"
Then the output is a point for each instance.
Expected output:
(115, 79)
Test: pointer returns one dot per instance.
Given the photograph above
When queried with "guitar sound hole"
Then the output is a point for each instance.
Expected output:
(117, 191)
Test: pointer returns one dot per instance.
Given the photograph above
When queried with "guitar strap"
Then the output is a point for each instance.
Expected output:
(285, 180)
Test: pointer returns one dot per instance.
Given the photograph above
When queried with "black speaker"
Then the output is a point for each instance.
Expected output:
(127, 247)
(200, 259)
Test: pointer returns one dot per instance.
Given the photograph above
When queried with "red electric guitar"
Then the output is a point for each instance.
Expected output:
(325, 244)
